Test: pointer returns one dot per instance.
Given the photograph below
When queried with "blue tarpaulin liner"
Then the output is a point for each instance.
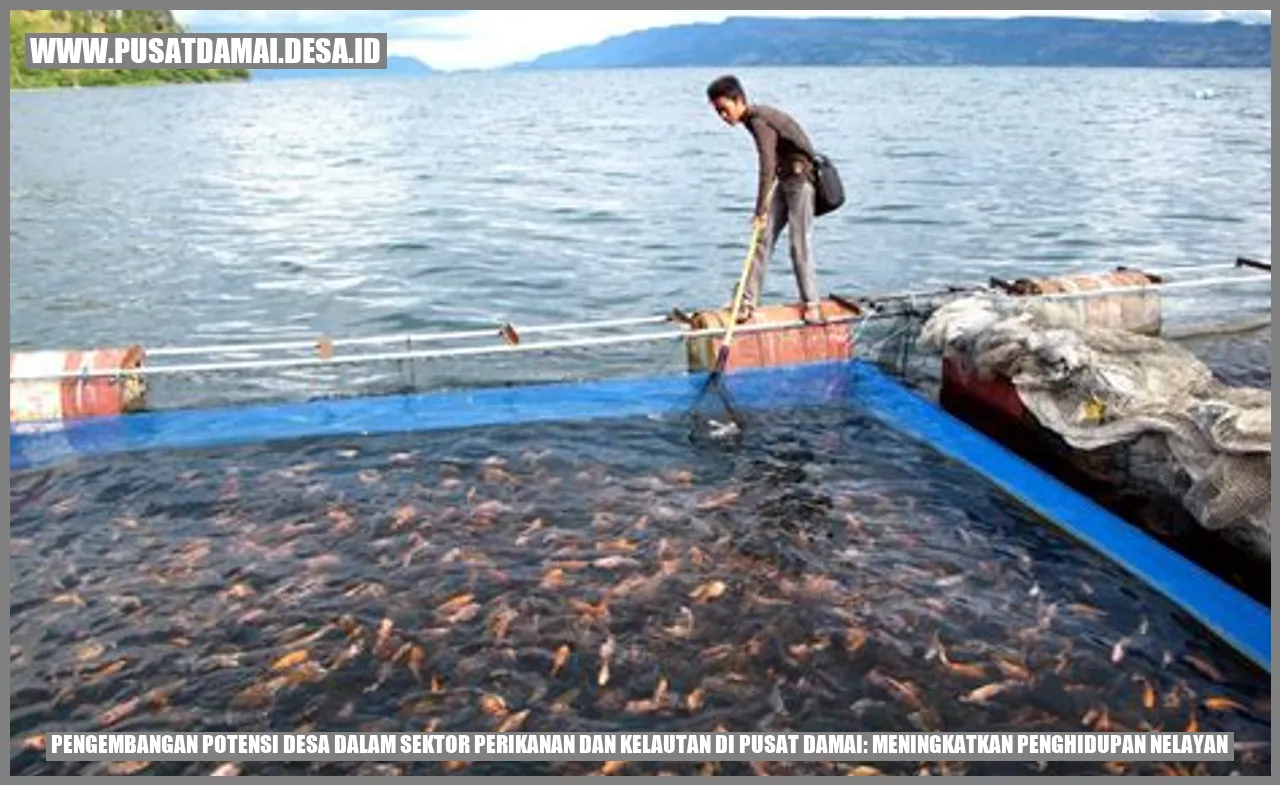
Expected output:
(1228, 613)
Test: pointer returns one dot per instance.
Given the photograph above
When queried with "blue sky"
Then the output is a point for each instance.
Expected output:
(450, 40)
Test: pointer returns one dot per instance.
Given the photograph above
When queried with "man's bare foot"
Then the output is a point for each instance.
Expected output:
(813, 314)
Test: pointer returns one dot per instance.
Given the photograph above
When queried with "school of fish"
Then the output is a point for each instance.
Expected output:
(826, 574)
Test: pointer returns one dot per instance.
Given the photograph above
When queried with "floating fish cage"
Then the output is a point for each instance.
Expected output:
(561, 557)
(74, 404)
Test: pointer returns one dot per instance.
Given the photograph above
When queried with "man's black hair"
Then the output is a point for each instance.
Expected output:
(726, 86)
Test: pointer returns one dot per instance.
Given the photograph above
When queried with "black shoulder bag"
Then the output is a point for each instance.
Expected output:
(827, 187)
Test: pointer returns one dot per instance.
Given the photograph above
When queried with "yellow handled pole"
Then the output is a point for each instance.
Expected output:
(722, 357)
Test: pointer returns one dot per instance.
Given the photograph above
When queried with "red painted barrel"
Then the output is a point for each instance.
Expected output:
(828, 342)
(1136, 310)
(993, 394)
(75, 398)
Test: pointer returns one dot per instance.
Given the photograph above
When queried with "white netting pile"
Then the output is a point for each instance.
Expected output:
(1096, 387)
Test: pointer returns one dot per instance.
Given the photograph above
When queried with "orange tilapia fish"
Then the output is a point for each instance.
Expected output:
(694, 700)
(606, 654)
(709, 591)
(717, 652)
(561, 658)
(89, 652)
(126, 767)
(403, 516)
(239, 591)
(455, 604)
(417, 658)
(643, 706)
(718, 501)
(594, 612)
(660, 691)
(385, 627)
(682, 628)
(493, 705)
(106, 671)
(513, 721)
(70, 598)
(1216, 703)
(499, 622)
(486, 513)
(1148, 695)
(306, 673)
(494, 475)
(615, 563)
(902, 691)
(402, 653)
(636, 584)
(1117, 651)
(1203, 667)
(342, 520)
(987, 692)
(370, 589)
(621, 545)
(119, 712)
(968, 670)
(678, 477)
(290, 660)
(553, 579)
(564, 703)
(158, 697)
(1012, 670)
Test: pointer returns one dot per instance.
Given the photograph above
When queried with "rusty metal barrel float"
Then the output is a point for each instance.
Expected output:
(75, 397)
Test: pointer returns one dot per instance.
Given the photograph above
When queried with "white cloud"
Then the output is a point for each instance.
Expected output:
(483, 39)
(487, 39)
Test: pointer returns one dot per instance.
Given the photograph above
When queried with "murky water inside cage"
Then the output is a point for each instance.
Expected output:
(821, 573)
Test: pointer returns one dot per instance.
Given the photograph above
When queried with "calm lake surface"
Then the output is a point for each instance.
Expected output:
(825, 573)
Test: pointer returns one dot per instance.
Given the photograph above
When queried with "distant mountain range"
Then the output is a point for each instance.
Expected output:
(1063, 42)
(396, 66)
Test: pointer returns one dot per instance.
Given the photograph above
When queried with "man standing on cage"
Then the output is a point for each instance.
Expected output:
(785, 154)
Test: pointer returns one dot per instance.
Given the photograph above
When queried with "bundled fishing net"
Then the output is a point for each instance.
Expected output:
(1206, 443)
(890, 339)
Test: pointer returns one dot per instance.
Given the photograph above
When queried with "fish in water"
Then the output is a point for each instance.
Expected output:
(722, 430)
(636, 595)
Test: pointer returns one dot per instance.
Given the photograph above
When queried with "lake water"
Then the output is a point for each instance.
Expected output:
(234, 212)
(826, 572)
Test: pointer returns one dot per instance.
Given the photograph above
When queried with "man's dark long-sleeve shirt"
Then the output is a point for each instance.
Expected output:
(783, 147)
